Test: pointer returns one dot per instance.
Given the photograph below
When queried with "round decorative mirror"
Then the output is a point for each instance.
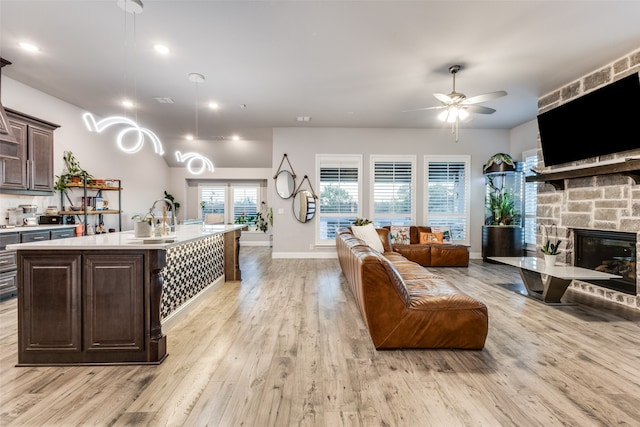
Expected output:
(285, 184)
(304, 206)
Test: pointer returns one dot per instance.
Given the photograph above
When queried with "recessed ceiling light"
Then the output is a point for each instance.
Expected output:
(303, 118)
(162, 49)
(127, 103)
(214, 105)
(29, 47)
(189, 137)
(235, 137)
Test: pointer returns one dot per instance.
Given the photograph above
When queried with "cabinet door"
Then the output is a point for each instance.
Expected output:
(40, 157)
(114, 302)
(13, 172)
(49, 312)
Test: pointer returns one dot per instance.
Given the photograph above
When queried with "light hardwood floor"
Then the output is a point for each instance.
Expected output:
(287, 347)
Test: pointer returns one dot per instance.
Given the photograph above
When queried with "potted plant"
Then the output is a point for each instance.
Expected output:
(173, 200)
(361, 221)
(72, 172)
(143, 225)
(551, 247)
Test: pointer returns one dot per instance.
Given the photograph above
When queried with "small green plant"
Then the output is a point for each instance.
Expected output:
(551, 245)
(261, 222)
(551, 248)
(173, 200)
(241, 219)
(361, 221)
(148, 218)
(72, 170)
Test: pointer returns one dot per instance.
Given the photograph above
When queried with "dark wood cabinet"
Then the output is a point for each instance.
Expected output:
(29, 169)
(502, 241)
(89, 307)
(49, 307)
(8, 265)
(113, 300)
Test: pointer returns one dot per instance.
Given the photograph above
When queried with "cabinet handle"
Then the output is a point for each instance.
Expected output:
(38, 237)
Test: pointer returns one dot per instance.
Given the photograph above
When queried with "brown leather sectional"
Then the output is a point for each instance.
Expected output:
(405, 305)
(432, 254)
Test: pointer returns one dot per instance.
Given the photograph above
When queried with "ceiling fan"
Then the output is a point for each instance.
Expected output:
(457, 106)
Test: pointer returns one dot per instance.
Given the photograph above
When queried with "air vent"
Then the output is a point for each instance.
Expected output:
(164, 100)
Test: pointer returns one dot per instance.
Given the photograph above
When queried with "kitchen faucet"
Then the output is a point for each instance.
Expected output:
(173, 211)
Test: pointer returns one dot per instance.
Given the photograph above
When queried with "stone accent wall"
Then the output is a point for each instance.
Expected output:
(610, 202)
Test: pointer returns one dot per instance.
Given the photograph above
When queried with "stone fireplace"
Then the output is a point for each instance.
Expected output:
(597, 203)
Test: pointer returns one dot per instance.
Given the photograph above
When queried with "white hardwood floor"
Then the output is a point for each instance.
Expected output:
(287, 347)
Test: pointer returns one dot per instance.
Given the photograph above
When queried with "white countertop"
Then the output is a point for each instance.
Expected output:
(125, 240)
(561, 271)
(37, 228)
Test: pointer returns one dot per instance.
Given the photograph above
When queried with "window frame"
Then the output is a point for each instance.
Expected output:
(397, 158)
(356, 160)
(466, 216)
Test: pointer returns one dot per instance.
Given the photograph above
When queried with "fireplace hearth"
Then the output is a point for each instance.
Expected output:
(611, 252)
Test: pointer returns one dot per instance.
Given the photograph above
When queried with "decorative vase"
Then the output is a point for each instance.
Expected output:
(550, 260)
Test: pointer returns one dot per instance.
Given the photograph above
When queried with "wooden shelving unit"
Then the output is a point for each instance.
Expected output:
(630, 168)
(98, 189)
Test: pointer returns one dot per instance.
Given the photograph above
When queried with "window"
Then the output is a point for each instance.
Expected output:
(530, 199)
(214, 199)
(245, 201)
(447, 194)
(340, 194)
(393, 190)
(230, 199)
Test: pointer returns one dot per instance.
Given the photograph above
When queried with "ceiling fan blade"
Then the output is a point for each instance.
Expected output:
(484, 97)
(443, 98)
(479, 109)
(425, 108)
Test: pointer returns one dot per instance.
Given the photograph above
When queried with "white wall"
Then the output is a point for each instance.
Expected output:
(294, 239)
(144, 174)
(523, 138)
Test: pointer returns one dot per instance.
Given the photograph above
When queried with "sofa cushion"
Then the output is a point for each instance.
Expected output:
(430, 238)
(399, 235)
(370, 236)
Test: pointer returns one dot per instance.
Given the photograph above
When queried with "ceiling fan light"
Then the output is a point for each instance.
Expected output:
(443, 116)
(463, 114)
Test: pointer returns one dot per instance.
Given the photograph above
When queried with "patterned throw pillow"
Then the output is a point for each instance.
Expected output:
(399, 235)
(430, 238)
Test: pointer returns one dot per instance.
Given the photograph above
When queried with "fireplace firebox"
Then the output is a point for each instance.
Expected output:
(611, 252)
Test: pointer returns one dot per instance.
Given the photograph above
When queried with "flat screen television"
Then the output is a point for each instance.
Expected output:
(604, 121)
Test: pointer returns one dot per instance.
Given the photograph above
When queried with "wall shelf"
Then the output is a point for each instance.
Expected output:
(630, 168)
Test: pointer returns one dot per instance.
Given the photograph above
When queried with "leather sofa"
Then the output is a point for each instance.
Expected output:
(403, 304)
(432, 254)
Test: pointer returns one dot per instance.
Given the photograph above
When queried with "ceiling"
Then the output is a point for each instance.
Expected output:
(341, 63)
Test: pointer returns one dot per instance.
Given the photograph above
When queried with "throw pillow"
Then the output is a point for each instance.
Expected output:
(399, 235)
(430, 238)
(370, 236)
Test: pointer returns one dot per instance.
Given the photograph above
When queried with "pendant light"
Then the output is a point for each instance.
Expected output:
(196, 163)
(133, 7)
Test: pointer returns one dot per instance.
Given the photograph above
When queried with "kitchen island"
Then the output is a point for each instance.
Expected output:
(103, 299)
